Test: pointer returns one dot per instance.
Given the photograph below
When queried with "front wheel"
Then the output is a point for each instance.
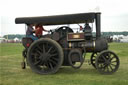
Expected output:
(107, 62)
(45, 56)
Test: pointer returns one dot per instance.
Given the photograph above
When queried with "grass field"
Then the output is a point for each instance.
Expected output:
(12, 74)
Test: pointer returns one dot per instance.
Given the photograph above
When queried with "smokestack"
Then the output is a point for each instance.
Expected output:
(98, 26)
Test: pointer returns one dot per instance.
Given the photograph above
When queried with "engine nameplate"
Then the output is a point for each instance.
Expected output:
(75, 36)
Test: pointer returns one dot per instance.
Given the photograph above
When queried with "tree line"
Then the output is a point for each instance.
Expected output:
(114, 33)
(20, 36)
(12, 36)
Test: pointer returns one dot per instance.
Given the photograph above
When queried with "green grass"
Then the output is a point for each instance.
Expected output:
(12, 74)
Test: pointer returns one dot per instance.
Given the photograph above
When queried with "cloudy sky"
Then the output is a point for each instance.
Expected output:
(114, 12)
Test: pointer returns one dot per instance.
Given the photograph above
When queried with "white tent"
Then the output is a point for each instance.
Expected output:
(125, 39)
(16, 39)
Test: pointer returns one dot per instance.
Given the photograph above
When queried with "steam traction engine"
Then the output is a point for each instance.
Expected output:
(64, 47)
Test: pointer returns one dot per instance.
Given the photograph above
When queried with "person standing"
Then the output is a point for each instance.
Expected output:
(39, 30)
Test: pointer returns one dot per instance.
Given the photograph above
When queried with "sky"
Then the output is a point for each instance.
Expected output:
(114, 15)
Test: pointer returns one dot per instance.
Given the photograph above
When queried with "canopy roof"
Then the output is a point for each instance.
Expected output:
(58, 19)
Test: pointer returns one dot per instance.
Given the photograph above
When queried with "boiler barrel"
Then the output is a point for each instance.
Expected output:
(94, 46)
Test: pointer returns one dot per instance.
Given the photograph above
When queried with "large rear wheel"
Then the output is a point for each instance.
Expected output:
(45, 56)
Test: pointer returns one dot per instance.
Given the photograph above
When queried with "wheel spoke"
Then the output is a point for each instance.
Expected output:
(52, 61)
(111, 67)
(54, 54)
(38, 52)
(113, 61)
(105, 65)
(39, 47)
(102, 66)
(104, 58)
(49, 49)
(113, 64)
(47, 65)
(51, 65)
(53, 51)
(109, 55)
(43, 48)
(38, 62)
(56, 59)
(112, 58)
